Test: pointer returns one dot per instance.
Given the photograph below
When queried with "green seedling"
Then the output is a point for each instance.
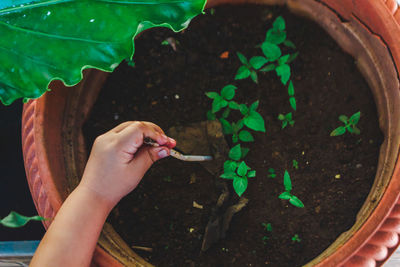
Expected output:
(237, 170)
(295, 201)
(165, 42)
(15, 220)
(251, 118)
(296, 238)
(286, 119)
(167, 179)
(249, 67)
(271, 173)
(212, 11)
(292, 99)
(350, 125)
(130, 63)
(221, 101)
(295, 164)
(267, 227)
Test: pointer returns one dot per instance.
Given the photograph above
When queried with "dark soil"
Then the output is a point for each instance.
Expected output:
(167, 88)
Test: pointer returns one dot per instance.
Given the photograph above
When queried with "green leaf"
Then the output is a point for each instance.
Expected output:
(242, 73)
(292, 57)
(237, 126)
(291, 89)
(245, 151)
(356, 130)
(343, 118)
(46, 40)
(283, 59)
(251, 174)
(287, 183)
(257, 62)
(242, 58)
(254, 76)
(284, 124)
(165, 42)
(281, 117)
(212, 95)
(218, 104)
(245, 136)
(267, 68)
(228, 92)
(283, 71)
(285, 195)
(292, 102)
(230, 166)
(289, 44)
(235, 153)
(355, 118)
(254, 106)
(235, 138)
(295, 201)
(338, 131)
(226, 126)
(210, 116)
(243, 109)
(242, 169)
(228, 175)
(226, 112)
(271, 51)
(255, 121)
(15, 220)
(349, 128)
(288, 116)
(240, 185)
(234, 105)
(275, 36)
(279, 23)
(269, 227)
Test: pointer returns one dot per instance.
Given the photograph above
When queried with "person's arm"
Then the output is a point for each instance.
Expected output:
(116, 165)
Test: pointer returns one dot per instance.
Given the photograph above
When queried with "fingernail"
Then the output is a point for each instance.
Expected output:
(171, 140)
(163, 153)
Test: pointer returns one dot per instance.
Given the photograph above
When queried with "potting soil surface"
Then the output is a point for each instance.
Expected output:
(167, 87)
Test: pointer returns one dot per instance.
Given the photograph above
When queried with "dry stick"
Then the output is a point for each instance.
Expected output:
(176, 154)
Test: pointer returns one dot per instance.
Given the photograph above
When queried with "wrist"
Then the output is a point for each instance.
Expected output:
(94, 199)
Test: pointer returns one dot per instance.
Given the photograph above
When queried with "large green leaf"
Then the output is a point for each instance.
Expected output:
(45, 40)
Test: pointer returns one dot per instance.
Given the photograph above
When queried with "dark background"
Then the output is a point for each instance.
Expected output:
(14, 190)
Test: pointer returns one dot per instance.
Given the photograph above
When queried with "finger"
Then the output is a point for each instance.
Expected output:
(121, 126)
(146, 156)
(171, 143)
(131, 138)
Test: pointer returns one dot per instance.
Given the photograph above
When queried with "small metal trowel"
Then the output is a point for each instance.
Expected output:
(174, 153)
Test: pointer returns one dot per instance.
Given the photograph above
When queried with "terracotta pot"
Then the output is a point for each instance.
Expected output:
(54, 150)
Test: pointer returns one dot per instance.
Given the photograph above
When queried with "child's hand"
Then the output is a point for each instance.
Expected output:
(118, 160)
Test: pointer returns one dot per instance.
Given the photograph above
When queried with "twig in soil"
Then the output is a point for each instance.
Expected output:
(143, 248)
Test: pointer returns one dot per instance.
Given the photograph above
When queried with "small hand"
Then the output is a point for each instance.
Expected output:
(119, 160)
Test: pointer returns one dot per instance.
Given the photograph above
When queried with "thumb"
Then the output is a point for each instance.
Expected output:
(157, 153)
(146, 156)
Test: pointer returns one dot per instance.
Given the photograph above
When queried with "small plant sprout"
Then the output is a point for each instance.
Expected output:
(271, 173)
(295, 201)
(221, 101)
(15, 220)
(296, 238)
(286, 119)
(252, 119)
(267, 228)
(295, 164)
(249, 67)
(237, 170)
(350, 125)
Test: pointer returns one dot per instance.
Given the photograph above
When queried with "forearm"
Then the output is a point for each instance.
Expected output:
(74, 232)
